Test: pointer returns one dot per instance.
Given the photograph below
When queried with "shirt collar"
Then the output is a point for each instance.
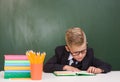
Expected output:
(70, 57)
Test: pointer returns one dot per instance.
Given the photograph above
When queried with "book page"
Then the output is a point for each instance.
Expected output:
(84, 73)
(64, 73)
(70, 73)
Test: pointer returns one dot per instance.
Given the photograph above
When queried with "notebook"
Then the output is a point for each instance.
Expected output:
(70, 73)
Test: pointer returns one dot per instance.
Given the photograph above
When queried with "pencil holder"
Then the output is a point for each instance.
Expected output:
(36, 71)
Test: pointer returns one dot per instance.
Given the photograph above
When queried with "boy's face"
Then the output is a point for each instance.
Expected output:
(78, 52)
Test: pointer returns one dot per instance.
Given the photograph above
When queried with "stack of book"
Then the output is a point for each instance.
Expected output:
(16, 66)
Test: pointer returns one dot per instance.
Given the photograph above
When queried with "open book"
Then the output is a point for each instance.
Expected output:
(70, 73)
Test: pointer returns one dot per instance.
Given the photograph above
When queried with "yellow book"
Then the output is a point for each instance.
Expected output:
(16, 68)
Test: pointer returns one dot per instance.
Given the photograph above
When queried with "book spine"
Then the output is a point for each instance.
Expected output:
(16, 57)
(9, 71)
(17, 61)
(16, 68)
(16, 75)
(16, 64)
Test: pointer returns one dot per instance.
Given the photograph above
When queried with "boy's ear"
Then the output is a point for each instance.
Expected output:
(66, 47)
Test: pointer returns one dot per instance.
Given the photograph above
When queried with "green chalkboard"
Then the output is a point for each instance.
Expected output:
(40, 25)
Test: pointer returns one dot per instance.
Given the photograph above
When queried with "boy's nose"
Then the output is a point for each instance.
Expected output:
(80, 55)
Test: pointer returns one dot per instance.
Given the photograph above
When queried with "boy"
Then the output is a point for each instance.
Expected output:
(75, 55)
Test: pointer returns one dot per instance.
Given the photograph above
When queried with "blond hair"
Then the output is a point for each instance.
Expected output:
(75, 36)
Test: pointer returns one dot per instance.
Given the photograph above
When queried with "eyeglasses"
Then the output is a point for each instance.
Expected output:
(77, 53)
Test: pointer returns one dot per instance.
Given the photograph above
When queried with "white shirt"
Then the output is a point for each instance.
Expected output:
(70, 59)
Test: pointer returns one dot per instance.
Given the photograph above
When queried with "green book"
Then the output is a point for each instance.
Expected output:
(8, 75)
(70, 73)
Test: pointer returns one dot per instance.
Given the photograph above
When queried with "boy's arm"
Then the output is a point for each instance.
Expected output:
(51, 65)
(105, 67)
(54, 63)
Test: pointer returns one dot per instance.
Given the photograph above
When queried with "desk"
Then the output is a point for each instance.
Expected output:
(113, 76)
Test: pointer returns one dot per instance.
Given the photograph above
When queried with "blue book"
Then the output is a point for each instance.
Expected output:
(16, 64)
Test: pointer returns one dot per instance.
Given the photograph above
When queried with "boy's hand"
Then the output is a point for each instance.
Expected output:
(93, 69)
(70, 68)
